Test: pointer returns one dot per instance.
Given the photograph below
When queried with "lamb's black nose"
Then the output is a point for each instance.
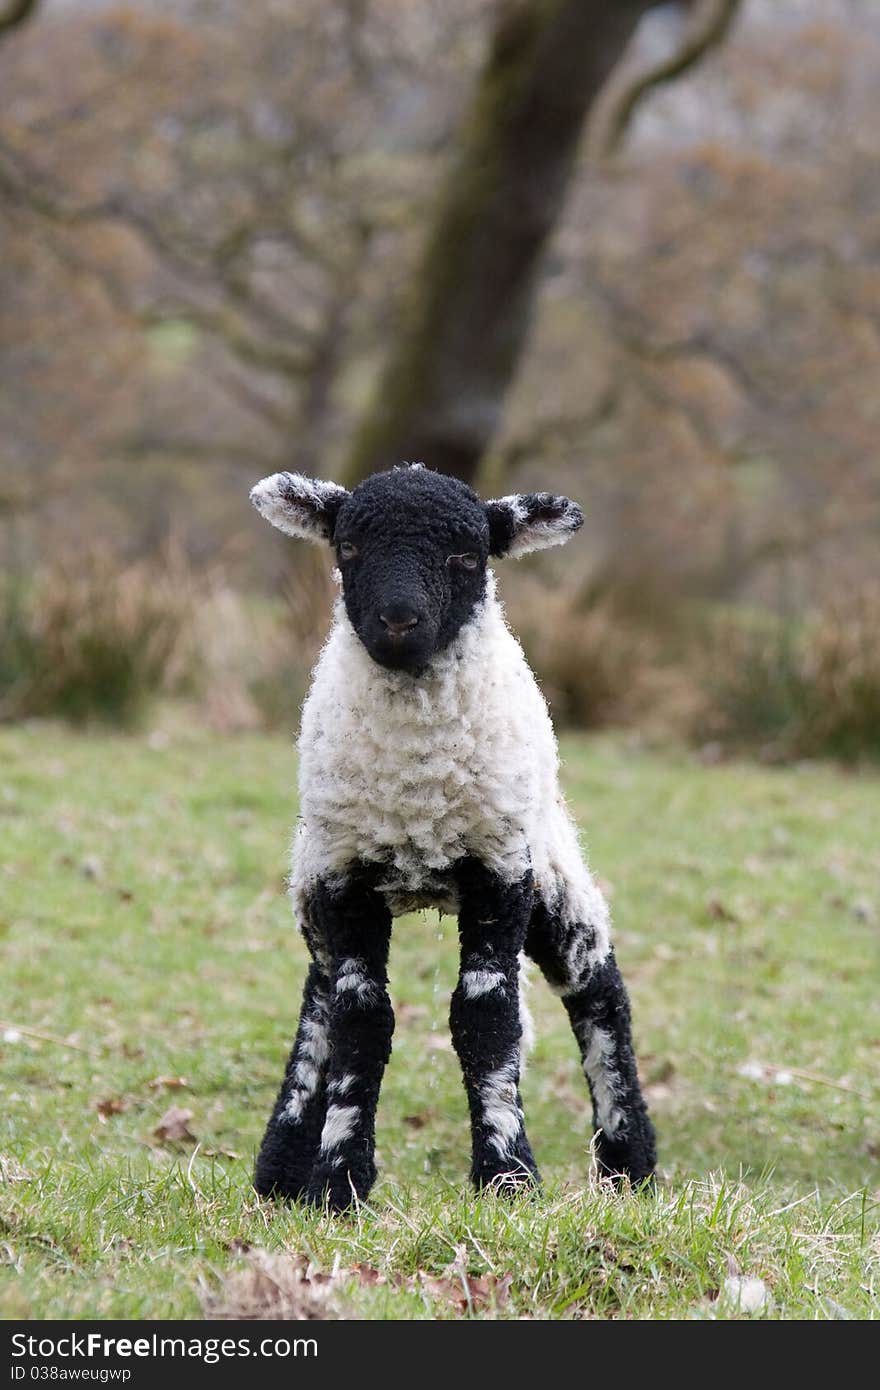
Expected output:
(398, 619)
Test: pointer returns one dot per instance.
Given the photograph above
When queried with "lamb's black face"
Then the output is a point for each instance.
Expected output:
(412, 547)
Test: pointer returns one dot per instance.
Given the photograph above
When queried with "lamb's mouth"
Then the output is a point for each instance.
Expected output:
(402, 652)
(399, 658)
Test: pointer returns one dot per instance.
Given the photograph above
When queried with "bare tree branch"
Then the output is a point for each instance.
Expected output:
(150, 446)
(212, 271)
(707, 26)
(633, 332)
(14, 13)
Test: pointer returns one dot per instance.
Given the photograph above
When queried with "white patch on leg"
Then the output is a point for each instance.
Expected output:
(477, 982)
(338, 1126)
(604, 1080)
(314, 1050)
(353, 976)
(501, 1112)
(342, 1085)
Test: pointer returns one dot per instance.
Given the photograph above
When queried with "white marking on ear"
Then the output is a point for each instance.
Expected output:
(299, 506)
(539, 520)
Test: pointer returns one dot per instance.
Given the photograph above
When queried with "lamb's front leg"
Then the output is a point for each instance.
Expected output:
(354, 920)
(485, 1020)
(287, 1153)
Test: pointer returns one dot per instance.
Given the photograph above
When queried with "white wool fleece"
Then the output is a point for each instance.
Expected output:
(417, 773)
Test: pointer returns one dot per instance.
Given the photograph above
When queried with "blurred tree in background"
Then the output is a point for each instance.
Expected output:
(226, 236)
(468, 312)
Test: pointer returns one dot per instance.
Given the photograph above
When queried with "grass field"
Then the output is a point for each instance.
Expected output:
(147, 944)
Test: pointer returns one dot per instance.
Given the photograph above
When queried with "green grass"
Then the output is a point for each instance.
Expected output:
(143, 920)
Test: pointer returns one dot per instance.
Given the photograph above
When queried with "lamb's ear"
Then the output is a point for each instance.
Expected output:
(304, 507)
(531, 521)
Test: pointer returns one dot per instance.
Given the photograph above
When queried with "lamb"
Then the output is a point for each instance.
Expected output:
(429, 779)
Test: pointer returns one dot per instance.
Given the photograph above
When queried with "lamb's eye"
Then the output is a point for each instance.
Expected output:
(347, 550)
(468, 561)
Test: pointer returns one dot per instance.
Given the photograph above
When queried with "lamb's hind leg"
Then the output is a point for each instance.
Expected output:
(290, 1144)
(578, 962)
(486, 1026)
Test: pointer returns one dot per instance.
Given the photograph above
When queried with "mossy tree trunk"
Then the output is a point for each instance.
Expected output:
(442, 390)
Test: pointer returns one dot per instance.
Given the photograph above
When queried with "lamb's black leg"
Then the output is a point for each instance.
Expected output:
(355, 922)
(289, 1146)
(598, 1007)
(486, 1027)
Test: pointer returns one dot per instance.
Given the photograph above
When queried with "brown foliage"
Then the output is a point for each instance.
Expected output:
(798, 691)
(596, 664)
(88, 640)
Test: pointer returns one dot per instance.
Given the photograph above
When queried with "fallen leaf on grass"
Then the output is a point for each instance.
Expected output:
(220, 1153)
(167, 1083)
(113, 1105)
(454, 1286)
(274, 1287)
(174, 1126)
(12, 1171)
(719, 911)
(419, 1120)
(467, 1292)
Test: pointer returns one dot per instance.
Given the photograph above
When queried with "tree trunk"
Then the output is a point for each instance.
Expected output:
(440, 396)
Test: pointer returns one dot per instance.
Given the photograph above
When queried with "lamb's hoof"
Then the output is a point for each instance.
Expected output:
(511, 1179)
(631, 1159)
(278, 1187)
(629, 1177)
(336, 1189)
(273, 1192)
(280, 1183)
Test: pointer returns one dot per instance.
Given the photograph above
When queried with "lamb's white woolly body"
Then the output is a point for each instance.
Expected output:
(429, 770)
(415, 773)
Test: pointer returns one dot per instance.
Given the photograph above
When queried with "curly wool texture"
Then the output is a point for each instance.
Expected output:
(414, 775)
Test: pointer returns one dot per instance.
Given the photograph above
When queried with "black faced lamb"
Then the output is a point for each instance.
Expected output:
(429, 779)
